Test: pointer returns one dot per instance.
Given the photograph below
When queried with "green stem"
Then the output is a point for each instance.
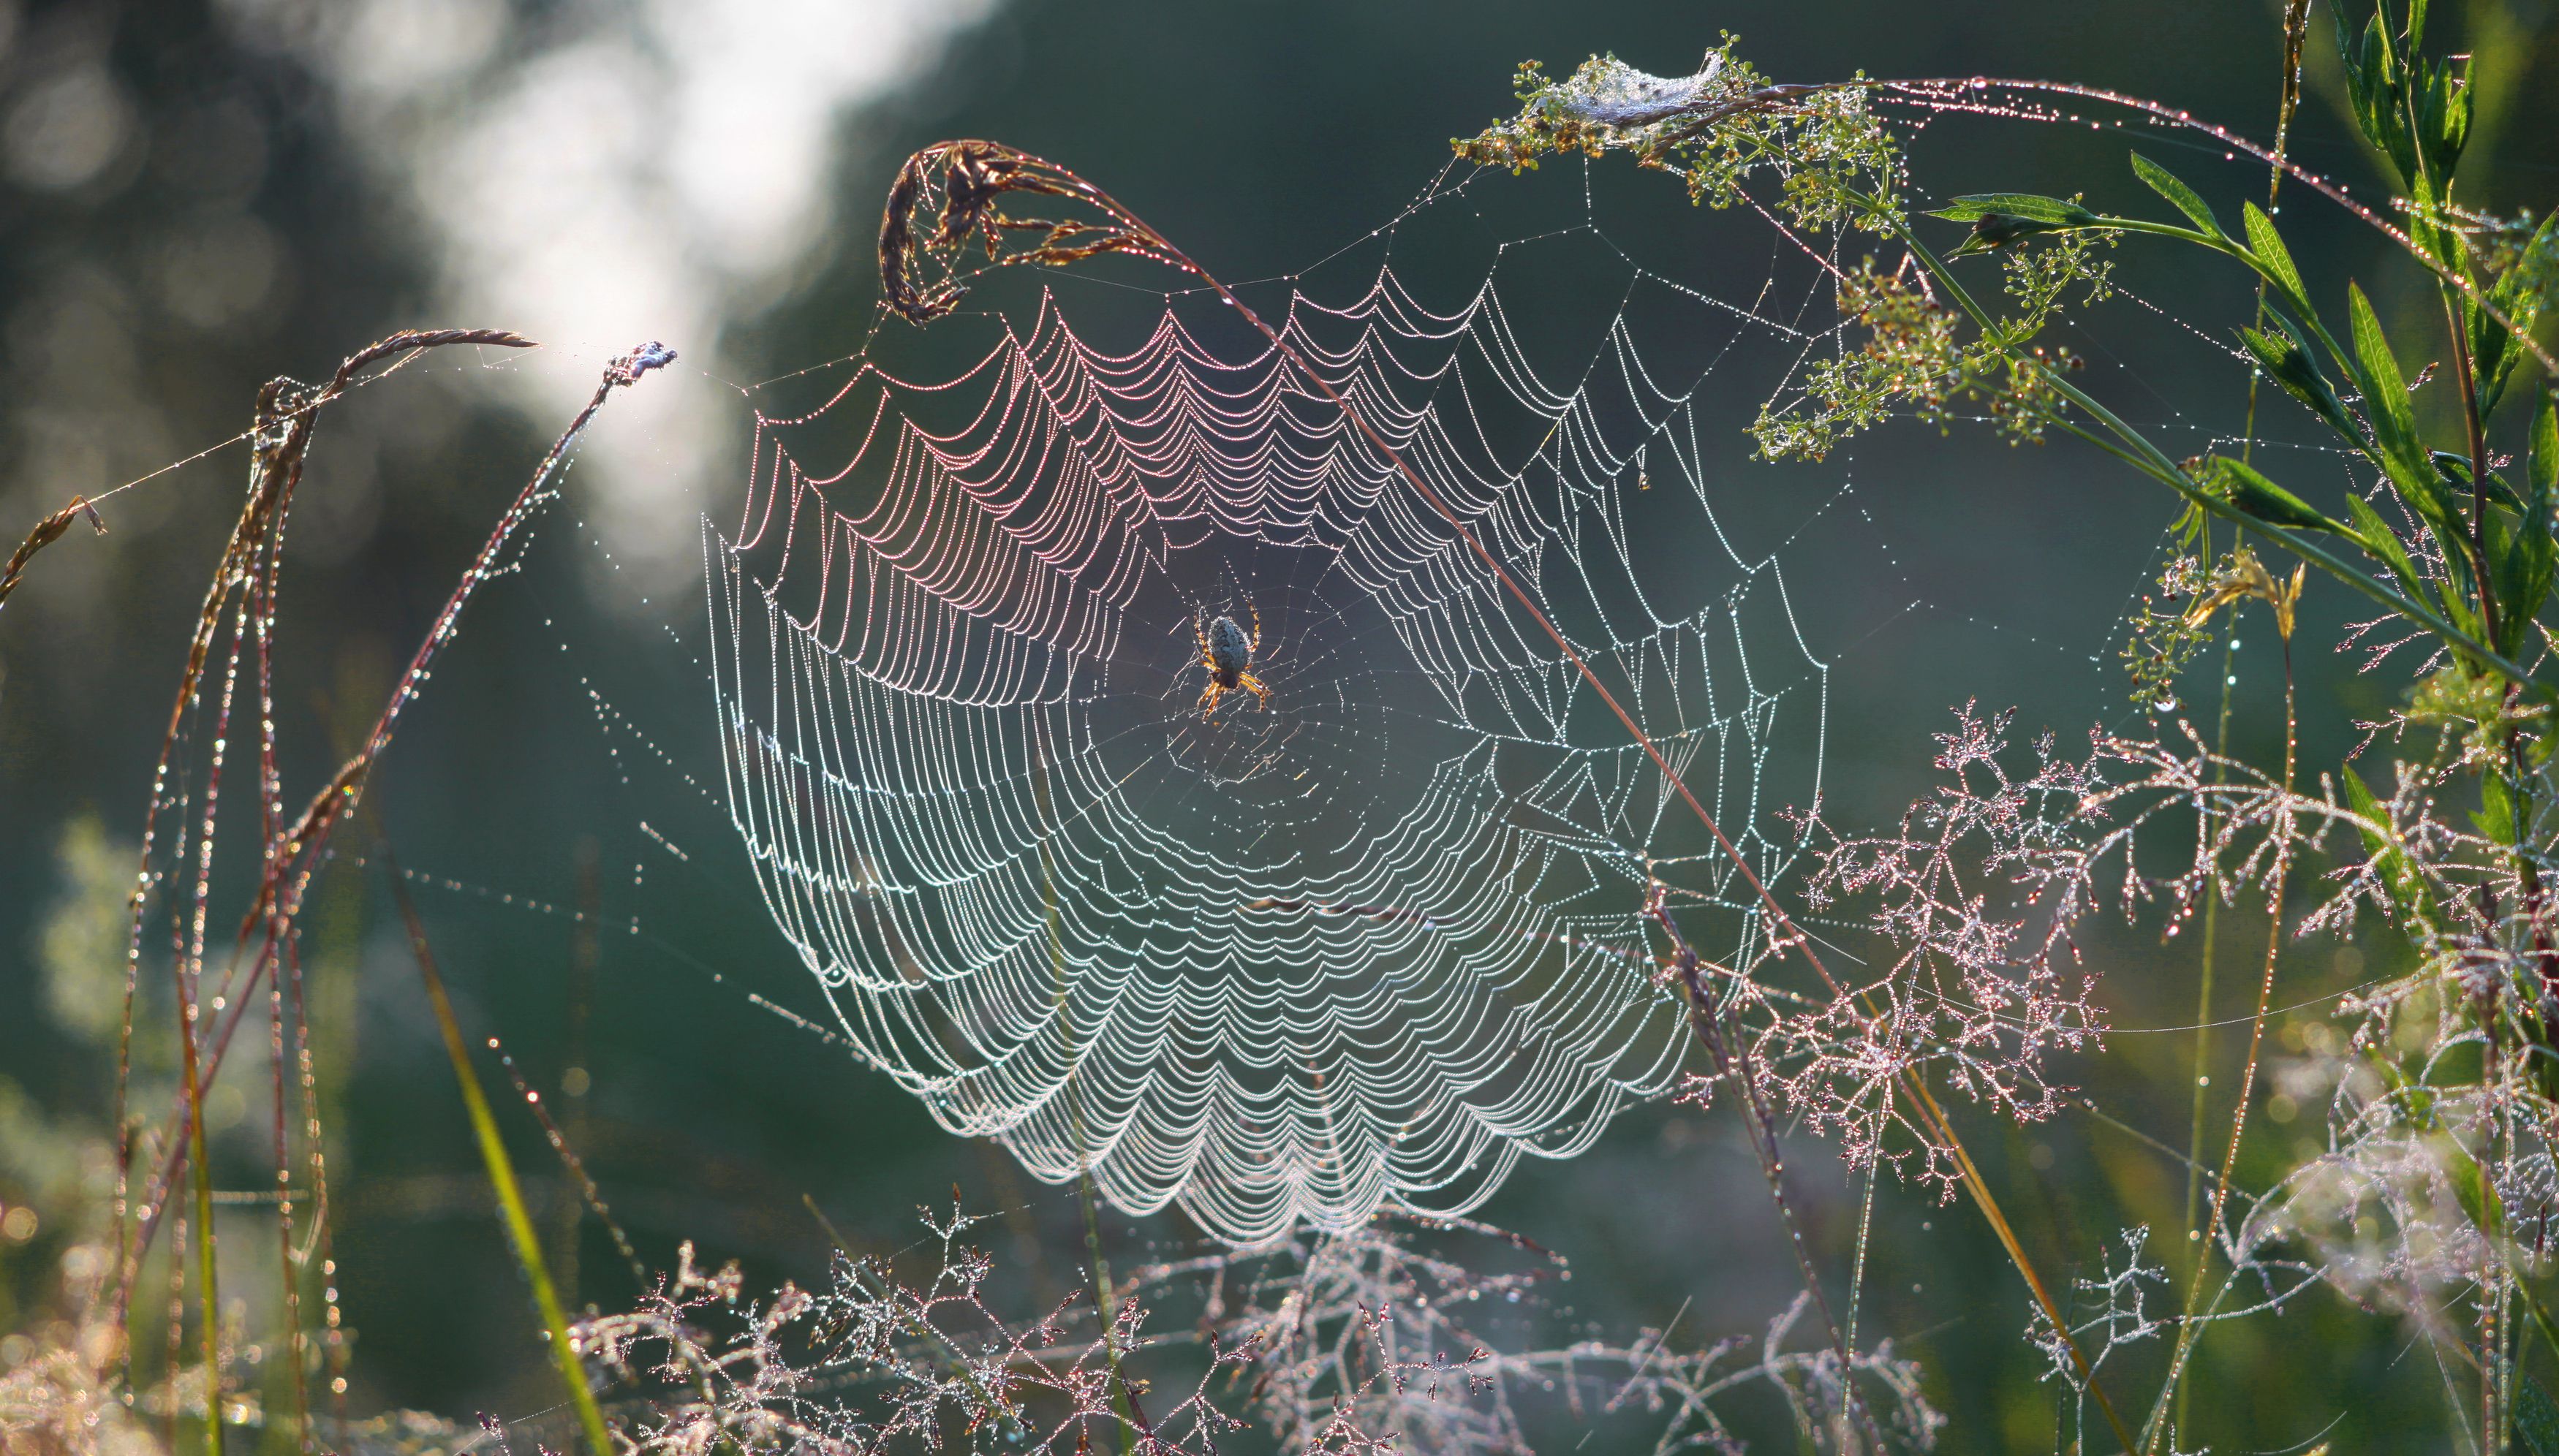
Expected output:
(203, 1190)
(2188, 1325)
(2204, 988)
(501, 1178)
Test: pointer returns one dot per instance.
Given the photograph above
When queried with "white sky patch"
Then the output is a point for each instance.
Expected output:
(607, 175)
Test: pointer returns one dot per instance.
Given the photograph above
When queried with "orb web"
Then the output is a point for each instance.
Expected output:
(1364, 945)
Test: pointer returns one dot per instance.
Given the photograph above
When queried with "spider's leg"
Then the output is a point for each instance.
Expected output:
(1208, 657)
(1256, 648)
(1209, 696)
(1260, 694)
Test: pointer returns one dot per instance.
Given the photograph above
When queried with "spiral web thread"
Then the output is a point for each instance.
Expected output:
(1363, 946)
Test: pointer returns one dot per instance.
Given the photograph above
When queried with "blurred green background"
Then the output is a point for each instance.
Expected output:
(195, 198)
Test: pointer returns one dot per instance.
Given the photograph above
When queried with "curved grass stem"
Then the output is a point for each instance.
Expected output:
(1938, 1126)
(521, 1235)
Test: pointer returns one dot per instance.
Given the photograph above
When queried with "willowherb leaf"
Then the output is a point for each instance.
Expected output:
(2267, 246)
(2289, 365)
(2520, 557)
(2394, 424)
(2398, 876)
(2167, 185)
(2028, 206)
(2544, 473)
(2519, 293)
(2383, 543)
(2374, 85)
(2243, 485)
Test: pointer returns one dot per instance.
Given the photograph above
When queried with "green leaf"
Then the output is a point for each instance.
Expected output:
(2383, 543)
(2388, 405)
(2496, 815)
(503, 1183)
(2545, 471)
(2183, 197)
(2470, 1186)
(2521, 559)
(2442, 122)
(2373, 85)
(2030, 206)
(2002, 218)
(2454, 470)
(2398, 874)
(2525, 553)
(2536, 1419)
(2288, 364)
(2268, 246)
(2519, 293)
(2394, 422)
(2242, 485)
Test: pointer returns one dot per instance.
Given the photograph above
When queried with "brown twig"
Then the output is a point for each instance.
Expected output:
(291, 858)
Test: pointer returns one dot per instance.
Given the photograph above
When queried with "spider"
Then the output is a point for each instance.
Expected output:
(1227, 653)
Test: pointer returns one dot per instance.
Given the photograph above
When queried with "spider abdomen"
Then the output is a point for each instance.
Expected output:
(1229, 652)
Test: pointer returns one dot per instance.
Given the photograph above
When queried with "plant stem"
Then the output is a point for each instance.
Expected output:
(2204, 976)
(2188, 1326)
(203, 1190)
(502, 1175)
(1732, 1063)
(2297, 18)
(2478, 440)
(1935, 1124)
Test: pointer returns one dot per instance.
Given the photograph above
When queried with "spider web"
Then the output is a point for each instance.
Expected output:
(1364, 945)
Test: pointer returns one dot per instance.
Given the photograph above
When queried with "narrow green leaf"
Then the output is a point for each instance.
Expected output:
(502, 1179)
(2349, 55)
(2167, 185)
(2454, 470)
(2536, 1418)
(2268, 246)
(2526, 554)
(2028, 206)
(2244, 487)
(2496, 815)
(2470, 1186)
(2406, 887)
(2545, 451)
(2380, 542)
(2285, 361)
(2374, 84)
(2444, 118)
(2394, 422)
(2383, 543)
(2519, 293)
